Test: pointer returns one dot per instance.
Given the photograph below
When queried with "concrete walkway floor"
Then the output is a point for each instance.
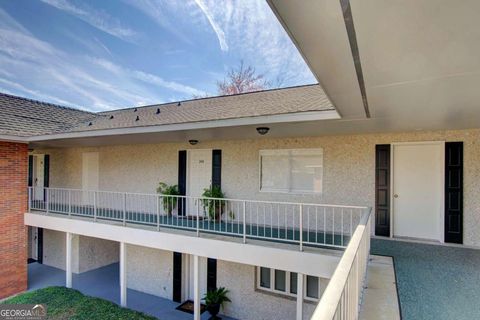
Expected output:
(435, 282)
(104, 283)
(380, 301)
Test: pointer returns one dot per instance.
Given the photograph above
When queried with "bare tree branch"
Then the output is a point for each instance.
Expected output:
(243, 79)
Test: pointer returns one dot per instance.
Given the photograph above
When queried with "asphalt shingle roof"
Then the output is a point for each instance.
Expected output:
(23, 117)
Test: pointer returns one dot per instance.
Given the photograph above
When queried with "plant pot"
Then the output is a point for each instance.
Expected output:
(214, 309)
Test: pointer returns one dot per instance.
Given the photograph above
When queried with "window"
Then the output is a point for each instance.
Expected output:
(265, 277)
(291, 170)
(293, 282)
(312, 287)
(284, 282)
(280, 280)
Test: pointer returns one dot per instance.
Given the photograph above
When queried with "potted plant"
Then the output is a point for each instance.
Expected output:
(214, 299)
(213, 207)
(169, 203)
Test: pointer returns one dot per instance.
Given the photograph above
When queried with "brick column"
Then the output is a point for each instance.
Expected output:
(13, 204)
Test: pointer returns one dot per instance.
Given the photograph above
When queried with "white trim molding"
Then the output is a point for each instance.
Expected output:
(279, 118)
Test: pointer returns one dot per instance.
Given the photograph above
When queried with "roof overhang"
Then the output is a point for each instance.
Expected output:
(418, 60)
(281, 125)
(10, 138)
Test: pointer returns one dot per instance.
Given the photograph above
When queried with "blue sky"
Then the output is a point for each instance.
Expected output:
(101, 55)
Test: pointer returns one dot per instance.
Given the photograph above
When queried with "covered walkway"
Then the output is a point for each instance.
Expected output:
(104, 283)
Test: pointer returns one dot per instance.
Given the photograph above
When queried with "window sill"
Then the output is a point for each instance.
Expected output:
(296, 193)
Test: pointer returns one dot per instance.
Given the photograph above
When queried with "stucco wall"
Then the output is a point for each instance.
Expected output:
(249, 303)
(150, 270)
(87, 253)
(349, 163)
(54, 249)
(95, 253)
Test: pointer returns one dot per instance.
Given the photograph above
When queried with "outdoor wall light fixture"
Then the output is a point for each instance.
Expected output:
(193, 142)
(263, 130)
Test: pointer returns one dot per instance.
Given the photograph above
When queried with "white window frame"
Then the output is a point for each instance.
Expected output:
(263, 152)
(287, 285)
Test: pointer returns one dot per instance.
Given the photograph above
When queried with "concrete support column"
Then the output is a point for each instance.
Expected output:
(196, 288)
(300, 282)
(123, 274)
(68, 260)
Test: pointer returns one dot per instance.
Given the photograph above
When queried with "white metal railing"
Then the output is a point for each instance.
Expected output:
(300, 223)
(343, 295)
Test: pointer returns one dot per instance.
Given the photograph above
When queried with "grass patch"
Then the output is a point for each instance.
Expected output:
(64, 303)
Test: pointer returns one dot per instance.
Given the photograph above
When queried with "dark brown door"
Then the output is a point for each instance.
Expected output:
(382, 190)
(177, 277)
(454, 192)
(211, 274)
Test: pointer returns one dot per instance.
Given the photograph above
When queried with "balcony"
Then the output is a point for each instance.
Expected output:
(322, 225)
(346, 229)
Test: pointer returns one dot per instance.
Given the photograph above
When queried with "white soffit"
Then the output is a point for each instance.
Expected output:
(318, 30)
(419, 59)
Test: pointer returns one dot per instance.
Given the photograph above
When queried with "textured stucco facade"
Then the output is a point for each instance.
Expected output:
(87, 253)
(150, 270)
(250, 303)
(348, 174)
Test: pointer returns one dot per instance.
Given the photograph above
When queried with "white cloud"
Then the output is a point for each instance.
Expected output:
(246, 30)
(255, 35)
(164, 14)
(216, 28)
(147, 78)
(95, 18)
(50, 72)
(9, 23)
(38, 95)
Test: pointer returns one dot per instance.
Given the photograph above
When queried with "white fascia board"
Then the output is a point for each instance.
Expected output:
(9, 138)
(311, 263)
(282, 118)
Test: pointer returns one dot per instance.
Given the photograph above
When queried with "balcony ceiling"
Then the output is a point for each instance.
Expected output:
(419, 60)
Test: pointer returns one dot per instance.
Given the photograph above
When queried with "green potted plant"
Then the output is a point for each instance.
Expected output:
(214, 299)
(169, 203)
(213, 207)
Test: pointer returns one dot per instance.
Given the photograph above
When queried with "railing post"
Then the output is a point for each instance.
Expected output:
(124, 209)
(198, 218)
(47, 194)
(301, 226)
(158, 213)
(29, 199)
(94, 206)
(244, 222)
(69, 202)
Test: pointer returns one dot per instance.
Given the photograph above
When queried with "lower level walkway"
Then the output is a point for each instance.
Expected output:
(380, 301)
(104, 283)
(435, 282)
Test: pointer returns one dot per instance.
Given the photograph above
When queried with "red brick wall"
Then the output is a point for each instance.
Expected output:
(13, 204)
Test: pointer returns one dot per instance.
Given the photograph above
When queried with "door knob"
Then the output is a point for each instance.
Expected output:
(395, 195)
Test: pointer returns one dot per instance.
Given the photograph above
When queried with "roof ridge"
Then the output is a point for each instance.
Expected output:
(46, 103)
(213, 97)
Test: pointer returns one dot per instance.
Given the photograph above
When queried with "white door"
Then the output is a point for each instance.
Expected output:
(199, 177)
(202, 261)
(38, 176)
(90, 168)
(418, 171)
(33, 242)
